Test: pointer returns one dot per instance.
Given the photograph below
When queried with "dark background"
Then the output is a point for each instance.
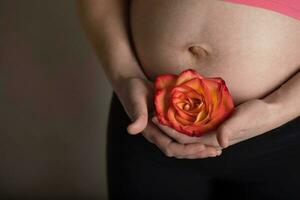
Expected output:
(54, 101)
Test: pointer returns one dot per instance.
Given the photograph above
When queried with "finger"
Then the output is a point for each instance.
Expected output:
(184, 150)
(179, 137)
(209, 152)
(138, 125)
(168, 146)
(154, 136)
(210, 139)
(222, 139)
(207, 139)
(224, 134)
(140, 114)
(206, 153)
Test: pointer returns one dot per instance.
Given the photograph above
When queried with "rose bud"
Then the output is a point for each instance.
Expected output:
(190, 103)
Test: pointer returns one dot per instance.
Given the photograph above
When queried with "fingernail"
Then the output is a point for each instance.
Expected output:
(213, 155)
(219, 152)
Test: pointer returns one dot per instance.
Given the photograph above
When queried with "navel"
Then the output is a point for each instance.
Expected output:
(198, 52)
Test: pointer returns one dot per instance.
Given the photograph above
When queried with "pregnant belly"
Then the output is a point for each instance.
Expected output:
(252, 49)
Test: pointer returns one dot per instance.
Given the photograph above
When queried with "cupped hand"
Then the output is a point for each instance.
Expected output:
(172, 148)
(136, 96)
(248, 120)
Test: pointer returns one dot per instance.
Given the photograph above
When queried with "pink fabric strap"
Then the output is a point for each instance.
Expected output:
(287, 7)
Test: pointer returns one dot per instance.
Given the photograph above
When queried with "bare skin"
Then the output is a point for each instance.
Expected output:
(255, 51)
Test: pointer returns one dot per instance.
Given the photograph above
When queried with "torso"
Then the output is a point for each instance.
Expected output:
(254, 50)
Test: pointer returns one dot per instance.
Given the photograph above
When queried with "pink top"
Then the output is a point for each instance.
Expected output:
(287, 7)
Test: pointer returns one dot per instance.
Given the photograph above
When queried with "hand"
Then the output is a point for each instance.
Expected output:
(135, 95)
(173, 149)
(136, 98)
(248, 120)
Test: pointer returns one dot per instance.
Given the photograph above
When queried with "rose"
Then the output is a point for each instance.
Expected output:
(191, 103)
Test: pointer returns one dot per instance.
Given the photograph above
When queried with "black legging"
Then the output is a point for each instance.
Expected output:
(264, 167)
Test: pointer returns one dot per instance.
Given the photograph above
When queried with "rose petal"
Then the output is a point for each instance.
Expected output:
(197, 85)
(179, 124)
(204, 121)
(208, 99)
(227, 100)
(225, 107)
(195, 130)
(183, 121)
(186, 90)
(184, 115)
(187, 75)
(214, 86)
(201, 115)
(172, 119)
(178, 105)
(161, 101)
(165, 81)
(192, 112)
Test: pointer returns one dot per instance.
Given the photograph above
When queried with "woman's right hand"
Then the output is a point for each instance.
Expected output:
(136, 96)
(105, 23)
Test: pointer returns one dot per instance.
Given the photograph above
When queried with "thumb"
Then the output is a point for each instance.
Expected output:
(222, 137)
(140, 116)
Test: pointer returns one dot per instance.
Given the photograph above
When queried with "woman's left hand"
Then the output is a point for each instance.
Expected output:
(248, 120)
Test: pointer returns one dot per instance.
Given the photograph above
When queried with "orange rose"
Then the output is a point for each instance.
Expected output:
(190, 103)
